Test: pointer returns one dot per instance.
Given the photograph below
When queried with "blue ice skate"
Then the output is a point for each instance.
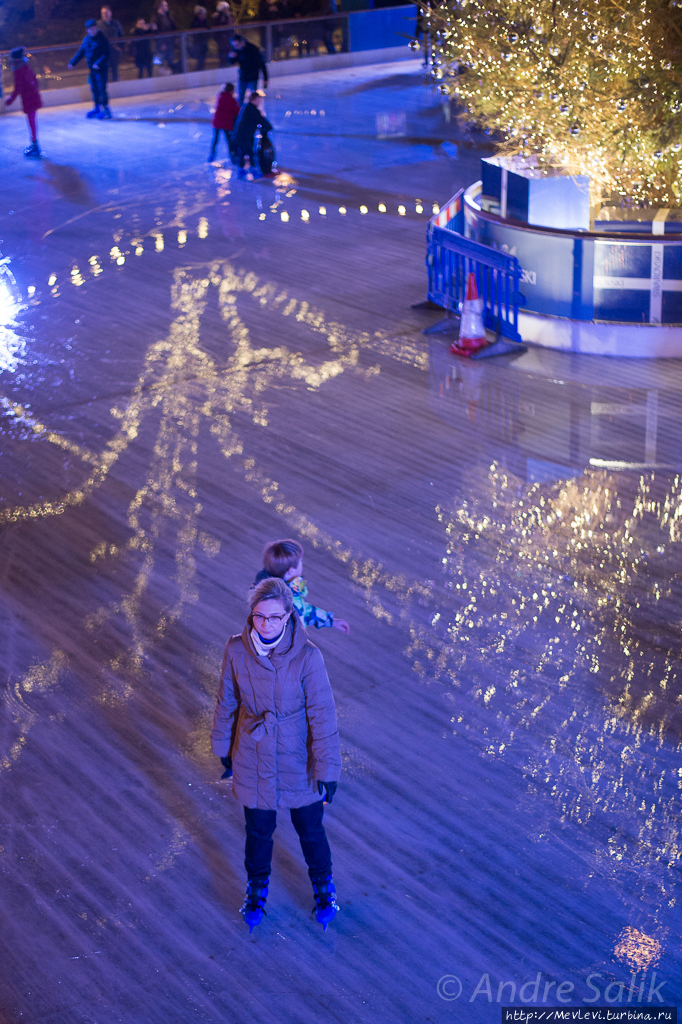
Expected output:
(326, 907)
(253, 910)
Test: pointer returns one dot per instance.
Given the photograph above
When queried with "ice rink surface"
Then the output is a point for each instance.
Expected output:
(199, 365)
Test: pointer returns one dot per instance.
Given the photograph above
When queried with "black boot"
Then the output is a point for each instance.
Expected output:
(253, 910)
(326, 907)
(33, 151)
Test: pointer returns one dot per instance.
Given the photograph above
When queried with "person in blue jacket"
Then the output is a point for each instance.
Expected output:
(95, 48)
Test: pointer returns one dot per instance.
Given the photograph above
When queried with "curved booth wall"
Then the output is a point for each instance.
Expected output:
(619, 296)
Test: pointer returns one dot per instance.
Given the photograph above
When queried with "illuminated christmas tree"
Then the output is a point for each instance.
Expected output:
(592, 87)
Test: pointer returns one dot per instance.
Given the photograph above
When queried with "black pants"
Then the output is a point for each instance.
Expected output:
(200, 56)
(246, 85)
(114, 57)
(307, 821)
(98, 85)
(228, 140)
(240, 156)
(141, 65)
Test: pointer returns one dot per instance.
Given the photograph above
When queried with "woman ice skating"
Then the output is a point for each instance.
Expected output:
(26, 86)
(275, 728)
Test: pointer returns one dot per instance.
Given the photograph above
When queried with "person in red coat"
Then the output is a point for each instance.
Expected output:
(226, 111)
(26, 86)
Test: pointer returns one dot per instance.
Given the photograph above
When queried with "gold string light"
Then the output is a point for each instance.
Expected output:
(591, 87)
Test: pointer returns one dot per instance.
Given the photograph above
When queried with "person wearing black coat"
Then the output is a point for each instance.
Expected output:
(142, 49)
(222, 20)
(95, 48)
(199, 43)
(251, 118)
(113, 30)
(163, 21)
(251, 65)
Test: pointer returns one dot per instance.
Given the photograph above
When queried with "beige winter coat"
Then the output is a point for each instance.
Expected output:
(275, 716)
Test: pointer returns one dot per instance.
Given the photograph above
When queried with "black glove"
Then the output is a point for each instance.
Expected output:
(227, 765)
(330, 788)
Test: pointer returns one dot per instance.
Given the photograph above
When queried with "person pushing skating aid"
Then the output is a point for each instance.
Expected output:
(26, 86)
(251, 118)
(274, 729)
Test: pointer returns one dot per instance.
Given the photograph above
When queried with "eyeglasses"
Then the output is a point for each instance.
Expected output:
(271, 620)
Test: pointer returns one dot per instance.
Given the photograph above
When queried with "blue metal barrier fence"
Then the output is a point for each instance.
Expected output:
(450, 258)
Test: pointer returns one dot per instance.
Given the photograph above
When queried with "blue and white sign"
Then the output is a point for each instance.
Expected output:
(583, 277)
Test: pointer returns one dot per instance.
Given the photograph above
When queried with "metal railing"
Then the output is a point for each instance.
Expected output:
(159, 54)
(450, 258)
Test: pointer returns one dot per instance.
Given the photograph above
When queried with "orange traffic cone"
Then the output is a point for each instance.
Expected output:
(471, 330)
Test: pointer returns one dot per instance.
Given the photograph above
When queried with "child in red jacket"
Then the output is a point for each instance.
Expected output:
(225, 115)
(26, 86)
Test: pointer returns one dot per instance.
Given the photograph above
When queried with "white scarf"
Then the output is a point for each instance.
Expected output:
(264, 647)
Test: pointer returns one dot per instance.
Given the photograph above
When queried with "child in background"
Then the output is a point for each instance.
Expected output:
(26, 86)
(226, 111)
(284, 559)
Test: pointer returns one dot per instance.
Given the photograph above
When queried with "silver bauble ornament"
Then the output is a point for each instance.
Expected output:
(414, 44)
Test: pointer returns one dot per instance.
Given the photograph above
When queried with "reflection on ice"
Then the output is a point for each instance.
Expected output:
(549, 617)
(557, 617)
(638, 950)
(12, 347)
(10, 299)
(12, 350)
(547, 429)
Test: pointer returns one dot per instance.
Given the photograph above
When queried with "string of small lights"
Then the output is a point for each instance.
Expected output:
(591, 87)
